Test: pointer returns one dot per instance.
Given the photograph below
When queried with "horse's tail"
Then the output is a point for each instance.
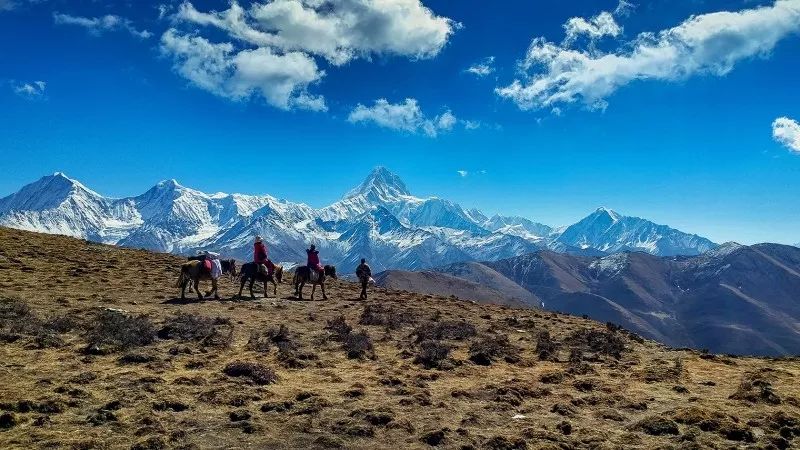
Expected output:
(184, 275)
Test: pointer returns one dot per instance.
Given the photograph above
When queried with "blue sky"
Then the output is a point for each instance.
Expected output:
(693, 125)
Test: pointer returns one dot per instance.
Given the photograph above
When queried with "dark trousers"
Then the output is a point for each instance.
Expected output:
(364, 283)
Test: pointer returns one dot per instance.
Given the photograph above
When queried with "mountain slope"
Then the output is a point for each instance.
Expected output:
(208, 374)
(736, 299)
(442, 284)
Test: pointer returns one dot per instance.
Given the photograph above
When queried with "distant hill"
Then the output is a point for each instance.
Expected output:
(437, 283)
(735, 299)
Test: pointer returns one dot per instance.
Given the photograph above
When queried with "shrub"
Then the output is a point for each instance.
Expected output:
(339, 327)
(546, 347)
(448, 330)
(262, 341)
(258, 373)
(486, 350)
(16, 316)
(378, 315)
(214, 332)
(755, 389)
(358, 345)
(432, 354)
(609, 342)
(121, 331)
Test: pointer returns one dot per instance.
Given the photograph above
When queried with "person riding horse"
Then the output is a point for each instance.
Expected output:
(260, 257)
(313, 260)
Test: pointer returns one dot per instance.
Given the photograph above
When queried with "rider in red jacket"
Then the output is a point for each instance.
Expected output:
(260, 255)
(313, 259)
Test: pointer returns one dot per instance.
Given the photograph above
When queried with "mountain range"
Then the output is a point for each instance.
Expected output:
(379, 219)
(734, 299)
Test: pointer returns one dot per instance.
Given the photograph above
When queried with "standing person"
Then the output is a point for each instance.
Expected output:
(364, 274)
(260, 255)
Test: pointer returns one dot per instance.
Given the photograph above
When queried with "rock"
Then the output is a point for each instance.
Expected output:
(657, 426)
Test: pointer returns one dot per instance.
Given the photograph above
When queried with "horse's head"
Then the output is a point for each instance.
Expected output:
(232, 264)
(330, 271)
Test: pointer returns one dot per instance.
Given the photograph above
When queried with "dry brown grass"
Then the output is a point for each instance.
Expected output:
(269, 374)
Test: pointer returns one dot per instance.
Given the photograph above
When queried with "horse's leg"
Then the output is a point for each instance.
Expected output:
(275, 289)
(324, 297)
(266, 295)
(252, 296)
(313, 289)
(241, 286)
(215, 287)
(183, 289)
(197, 288)
(299, 292)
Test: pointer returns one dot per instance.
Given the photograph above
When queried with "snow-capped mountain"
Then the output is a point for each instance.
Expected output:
(611, 232)
(380, 220)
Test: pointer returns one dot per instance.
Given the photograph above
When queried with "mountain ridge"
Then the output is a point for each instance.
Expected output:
(406, 232)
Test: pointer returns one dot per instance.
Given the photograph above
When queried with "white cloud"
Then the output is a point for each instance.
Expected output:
(406, 116)
(99, 25)
(273, 45)
(624, 8)
(281, 79)
(337, 30)
(462, 173)
(597, 27)
(483, 67)
(33, 89)
(787, 132)
(706, 44)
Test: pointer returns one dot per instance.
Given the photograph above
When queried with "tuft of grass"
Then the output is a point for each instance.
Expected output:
(448, 330)
(258, 373)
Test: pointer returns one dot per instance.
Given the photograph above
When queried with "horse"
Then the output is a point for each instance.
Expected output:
(302, 276)
(228, 265)
(251, 273)
(193, 271)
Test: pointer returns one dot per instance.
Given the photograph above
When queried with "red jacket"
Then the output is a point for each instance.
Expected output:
(313, 258)
(260, 253)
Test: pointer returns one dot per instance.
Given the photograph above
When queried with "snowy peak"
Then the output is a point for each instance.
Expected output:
(48, 192)
(611, 232)
(381, 186)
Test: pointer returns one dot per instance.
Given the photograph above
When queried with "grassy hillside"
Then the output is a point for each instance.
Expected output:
(96, 352)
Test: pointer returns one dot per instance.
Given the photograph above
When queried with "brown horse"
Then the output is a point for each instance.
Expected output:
(302, 275)
(192, 271)
(228, 265)
(251, 273)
